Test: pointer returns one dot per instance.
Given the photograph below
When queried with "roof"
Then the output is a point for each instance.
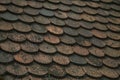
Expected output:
(60, 39)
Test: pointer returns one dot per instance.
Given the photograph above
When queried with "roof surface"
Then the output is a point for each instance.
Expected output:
(60, 39)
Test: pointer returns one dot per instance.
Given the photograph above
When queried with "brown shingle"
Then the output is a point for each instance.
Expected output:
(55, 30)
(80, 50)
(43, 58)
(47, 48)
(37, 69)
(10, 46)
(64, 49)
(16, 69)
(74, 70)
(29, 47)
(23, 57)
(60, 59)
(57, 71)
(51, 39)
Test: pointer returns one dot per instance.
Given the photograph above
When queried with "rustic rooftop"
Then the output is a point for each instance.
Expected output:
(60, 39)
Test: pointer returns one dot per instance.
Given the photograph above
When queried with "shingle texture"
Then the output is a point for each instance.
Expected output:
(60, 39)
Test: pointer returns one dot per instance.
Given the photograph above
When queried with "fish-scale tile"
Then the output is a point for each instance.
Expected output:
(100, 26)
(87, 17)
(118, 70)
(33, 37)
(16, 69)
(54, 1)
(116, 1)
(107, 1)
(113, 36)
(9, 16)
(47, 48)
(96, 52)
(83, 41)
(46, 12)
(57, 21)
(3, 36)
(98, 42)
(75, 71)
(102, 12)
(99, 34)
(114, 28)
(114, 20)
(2, 69)
(10, 46)
(78, 3)
(69, 78)
(15, 9)
(85, 32)
(42, 58)
(61, 14)
(56, 70)
(77, 59)
(2, 8)
(72, 23)
(80, 50)
(101, 19)
(113, 44)
(64, 49)
(34, 4)
(21, 27)
(91, 71)
(55, 30)
(23, 57)
(41, 0)
(110, 62)
(31, 11)
(19, 3)
(38, 28)
(66, 2)
(5, 26)
(70, 31)
(37, 69)
(92, 60)
(42, 20)
(60, 59)
(104, 78)
(93, 4)
(73, 16)
(26, 18)
(89, 11)
(112, 52)
(8, 77)
(5, 57)
(5, 1)
(76, 9)
(88, 78)
(114, 13)
(51, 39)
(16, 36)
(115, 7)
(29, 47)
(67, 39)
(108, 72)
(63, 7)
(86, 25)
(31, 78)
(49, 6)
(104, 6)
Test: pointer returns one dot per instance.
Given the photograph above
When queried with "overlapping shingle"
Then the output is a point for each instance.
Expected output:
(60, 39)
